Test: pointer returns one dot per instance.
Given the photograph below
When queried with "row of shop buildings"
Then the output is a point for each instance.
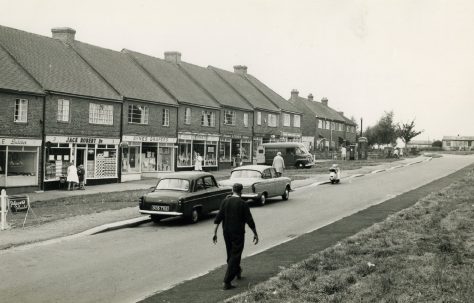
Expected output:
(126, 115)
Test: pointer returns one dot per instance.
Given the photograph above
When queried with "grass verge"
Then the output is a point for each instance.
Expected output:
(422, 254)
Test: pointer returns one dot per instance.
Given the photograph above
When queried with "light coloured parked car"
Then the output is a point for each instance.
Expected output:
(260, 182)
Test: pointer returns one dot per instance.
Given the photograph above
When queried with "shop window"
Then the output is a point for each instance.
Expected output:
(184, 153)
(63, 110)
(138, 114)
(58, 159)
(229, 117)
(21, 111)
(101, 114)
(187, 115)
(208, 118)
(21, 166)
(259, 118)
(246, 120)
(165, 117)
(296, 121)
(210, 158)
(224, 152)
(157, 157)
(149, 156)
(165, 157)
(286, 120)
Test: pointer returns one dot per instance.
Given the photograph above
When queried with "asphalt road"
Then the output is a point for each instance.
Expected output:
(130, 264)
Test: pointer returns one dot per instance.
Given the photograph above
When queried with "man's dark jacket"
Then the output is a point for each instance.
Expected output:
(234, 213)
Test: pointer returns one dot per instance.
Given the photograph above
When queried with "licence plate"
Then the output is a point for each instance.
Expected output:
(160, 207)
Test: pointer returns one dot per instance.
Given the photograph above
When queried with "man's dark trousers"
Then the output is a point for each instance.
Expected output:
(234, 244)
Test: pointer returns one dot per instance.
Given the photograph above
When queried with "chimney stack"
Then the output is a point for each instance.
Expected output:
(65, 34)
(294, 94)
(310, 97)
(173, 57)
(324, 101)
(240, 69)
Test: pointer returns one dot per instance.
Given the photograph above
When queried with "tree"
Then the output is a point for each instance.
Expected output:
(437, 143)
(406, 131)
(384, 132)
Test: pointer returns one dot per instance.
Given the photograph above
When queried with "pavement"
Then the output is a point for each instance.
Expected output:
(127, 217)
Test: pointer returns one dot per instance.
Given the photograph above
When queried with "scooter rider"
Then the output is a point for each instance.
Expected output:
(334, 174)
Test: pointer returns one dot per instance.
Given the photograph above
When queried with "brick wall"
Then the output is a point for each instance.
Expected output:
(32, 128)
(291, 128)
(78, 124)
(195, 125)
(155, 121)
(238, 128)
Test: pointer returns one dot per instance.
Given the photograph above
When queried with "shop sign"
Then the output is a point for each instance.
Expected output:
(203, 137)
(84, 140)
(285, 134)
(149, 139)
(18, 203)
(20, 142)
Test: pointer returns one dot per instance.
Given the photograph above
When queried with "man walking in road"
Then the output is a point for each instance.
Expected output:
(234, 213)
(278, 164)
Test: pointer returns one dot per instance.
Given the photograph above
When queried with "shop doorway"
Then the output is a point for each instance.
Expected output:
(81, 159)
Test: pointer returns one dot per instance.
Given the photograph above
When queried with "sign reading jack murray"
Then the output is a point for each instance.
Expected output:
(19, 203)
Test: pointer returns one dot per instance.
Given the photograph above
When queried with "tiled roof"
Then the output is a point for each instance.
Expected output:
(347, 120)
(273, 96)
(14, 77)
(123, 74)
(458, 138)
(54, 64)
(321, 110)
(250, 93)
(174, 80)
(220, 90)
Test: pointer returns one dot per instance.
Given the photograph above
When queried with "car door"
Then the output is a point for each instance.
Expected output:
(213, 194)
(199, 194)
(266, 184)
(278, 184)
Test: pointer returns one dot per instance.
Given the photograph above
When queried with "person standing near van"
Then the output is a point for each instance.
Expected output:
(278, 164)
(343, 152)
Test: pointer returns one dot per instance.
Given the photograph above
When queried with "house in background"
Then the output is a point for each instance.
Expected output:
(458, 142)
(419, 144)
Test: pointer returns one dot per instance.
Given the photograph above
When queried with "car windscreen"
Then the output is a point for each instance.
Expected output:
(245, 174)
(173, 184)
(301, 150)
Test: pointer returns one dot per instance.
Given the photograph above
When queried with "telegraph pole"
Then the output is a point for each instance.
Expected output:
(361, 126)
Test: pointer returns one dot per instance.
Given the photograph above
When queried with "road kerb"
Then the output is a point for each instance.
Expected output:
(117, 225)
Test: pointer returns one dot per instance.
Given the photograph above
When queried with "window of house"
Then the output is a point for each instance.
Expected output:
(327, 124)
(138, 114)
(166, 117)
(320, 124)
(246, 120)
(229, 117)
(21, 110)
(187, 115)
(208, 118)
(63, 110)
(272, 120)
(341, 127)
(259, 118)
(286, 120)
(296, 121)
(101, 114)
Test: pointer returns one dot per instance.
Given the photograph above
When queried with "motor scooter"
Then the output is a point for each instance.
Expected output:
(334, 174)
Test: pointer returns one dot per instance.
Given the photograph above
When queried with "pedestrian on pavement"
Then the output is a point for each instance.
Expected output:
(80, 174)
(238, 161)
(343, 152)
(234, 213)
(278, 164)
(197, 162)
(72, 178)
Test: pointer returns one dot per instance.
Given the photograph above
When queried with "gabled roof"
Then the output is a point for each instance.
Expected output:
(458, 138)
(123, 74)
(321, 110)
(13, 77)
(278, 100)
(173, 80)
(347, 120)
(55, 65)
(247, 90)
(220, 90)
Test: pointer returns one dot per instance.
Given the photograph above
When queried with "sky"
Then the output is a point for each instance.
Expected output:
(412, 57)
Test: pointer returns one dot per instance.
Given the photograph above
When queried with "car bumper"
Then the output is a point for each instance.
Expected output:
(163, 213)
(250, 196)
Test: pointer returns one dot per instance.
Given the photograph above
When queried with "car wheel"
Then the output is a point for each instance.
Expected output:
(263, 199)
(286, 194)
(194, 217)
(299, 165)
(155, 218)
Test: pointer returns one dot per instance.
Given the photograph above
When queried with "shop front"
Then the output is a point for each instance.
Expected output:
(290, 137)
(98, 155)
(191, 145)
(19, 160)
(145, 156)
(234, 147)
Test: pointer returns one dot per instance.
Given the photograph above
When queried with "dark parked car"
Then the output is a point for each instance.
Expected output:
(183, 194)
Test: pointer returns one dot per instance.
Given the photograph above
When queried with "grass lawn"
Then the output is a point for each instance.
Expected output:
(47, 211)
(422, 254)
